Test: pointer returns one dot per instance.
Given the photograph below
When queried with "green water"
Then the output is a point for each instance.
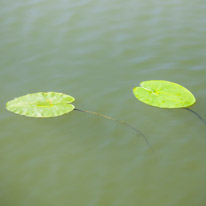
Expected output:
(97, 51)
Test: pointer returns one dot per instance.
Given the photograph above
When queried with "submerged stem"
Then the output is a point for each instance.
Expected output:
(119, 121)
(196, 115)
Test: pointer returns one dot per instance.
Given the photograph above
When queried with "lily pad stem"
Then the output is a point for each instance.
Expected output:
(119, 121)
(195, 113)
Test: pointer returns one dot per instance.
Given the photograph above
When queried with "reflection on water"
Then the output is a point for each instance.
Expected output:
(97, 51)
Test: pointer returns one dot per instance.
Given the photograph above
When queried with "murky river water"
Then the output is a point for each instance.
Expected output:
(97, 51)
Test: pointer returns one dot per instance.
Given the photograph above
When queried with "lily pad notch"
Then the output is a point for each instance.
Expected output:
(53, 104)
(165, 94)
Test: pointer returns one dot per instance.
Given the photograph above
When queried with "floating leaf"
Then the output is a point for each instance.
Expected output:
(164, 94)
(41, 104)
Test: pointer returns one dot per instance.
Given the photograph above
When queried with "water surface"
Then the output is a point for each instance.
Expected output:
(97, 51)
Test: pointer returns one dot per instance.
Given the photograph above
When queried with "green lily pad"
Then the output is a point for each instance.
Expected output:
(164, 94)
(41, 104)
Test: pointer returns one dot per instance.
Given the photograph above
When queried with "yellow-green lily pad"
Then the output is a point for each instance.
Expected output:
(41, 104)
(164, 94)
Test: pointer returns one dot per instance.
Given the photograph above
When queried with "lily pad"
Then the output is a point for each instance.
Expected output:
(41, 104)
(164, 94)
